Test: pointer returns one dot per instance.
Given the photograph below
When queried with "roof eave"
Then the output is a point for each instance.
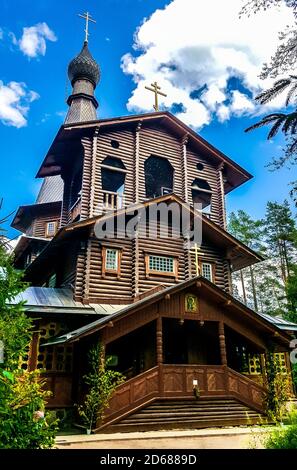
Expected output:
(102, 323)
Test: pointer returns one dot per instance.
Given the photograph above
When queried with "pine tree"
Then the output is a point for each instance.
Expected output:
(249, 231)
(280, 236)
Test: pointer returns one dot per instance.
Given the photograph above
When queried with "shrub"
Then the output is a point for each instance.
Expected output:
(284, 437)
(23, 422)
(102, 383)
(278, 389)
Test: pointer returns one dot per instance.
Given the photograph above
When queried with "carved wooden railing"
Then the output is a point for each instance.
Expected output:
(245, 389)
(176, 381)
(75, 210)
(112, 200)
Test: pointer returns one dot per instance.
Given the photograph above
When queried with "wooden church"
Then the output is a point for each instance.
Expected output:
(161, 307)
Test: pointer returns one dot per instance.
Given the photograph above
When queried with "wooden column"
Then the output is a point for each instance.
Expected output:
(159, 341)
(160, 354)
(86, 287)
(65, 203)
(222, 196)
(102, 354)
(93, 210)
(136, 162)
(185, 140)
(32, 363)
(135, 265)
(222, 343)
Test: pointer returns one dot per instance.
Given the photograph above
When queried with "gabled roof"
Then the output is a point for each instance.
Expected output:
(25, 214)
(233, 305)
(239, 253)
(54, 160)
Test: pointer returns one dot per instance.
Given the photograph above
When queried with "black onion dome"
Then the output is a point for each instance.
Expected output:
(83, 66)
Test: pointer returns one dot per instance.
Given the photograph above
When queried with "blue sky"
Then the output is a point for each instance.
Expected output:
(220, 117)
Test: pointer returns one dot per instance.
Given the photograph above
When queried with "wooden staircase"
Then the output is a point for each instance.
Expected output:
(189, 414)
(163, 398)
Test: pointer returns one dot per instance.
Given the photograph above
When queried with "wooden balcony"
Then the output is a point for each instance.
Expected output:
(113, 201)
(176, 381)
(75, 211)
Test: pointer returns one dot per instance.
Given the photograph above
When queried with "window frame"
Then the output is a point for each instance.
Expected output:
(47, 233)
(150, 272)
(106, 270)
(212, 270)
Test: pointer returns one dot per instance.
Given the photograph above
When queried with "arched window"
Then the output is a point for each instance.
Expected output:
(158, 177)
(201, 193)
(113, 173)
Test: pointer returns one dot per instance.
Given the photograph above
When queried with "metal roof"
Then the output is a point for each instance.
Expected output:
(51, 190)
(52, 300)
(280, 322)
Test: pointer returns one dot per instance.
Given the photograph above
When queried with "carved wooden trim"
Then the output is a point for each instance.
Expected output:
(222, 343)
(159, 338)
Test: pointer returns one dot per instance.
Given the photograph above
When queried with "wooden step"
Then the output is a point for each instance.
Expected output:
(181, 414)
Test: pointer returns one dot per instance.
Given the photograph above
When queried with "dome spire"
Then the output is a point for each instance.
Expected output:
(84, 74)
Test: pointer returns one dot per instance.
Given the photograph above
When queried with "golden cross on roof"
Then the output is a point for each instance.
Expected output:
(86, 16)
(197, 252)
(156, 89)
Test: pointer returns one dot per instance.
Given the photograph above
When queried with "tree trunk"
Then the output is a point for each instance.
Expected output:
(254, 289)
(243, 287)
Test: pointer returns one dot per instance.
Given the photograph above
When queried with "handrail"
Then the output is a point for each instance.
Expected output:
(214, 381)
(247, 379)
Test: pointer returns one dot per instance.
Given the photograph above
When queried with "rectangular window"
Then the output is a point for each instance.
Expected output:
(161, 265)
(206, 271)
(111, 260)
(51, 228)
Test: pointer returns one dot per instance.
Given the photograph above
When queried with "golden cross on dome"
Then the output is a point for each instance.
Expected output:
(156, 89)
(86, 16)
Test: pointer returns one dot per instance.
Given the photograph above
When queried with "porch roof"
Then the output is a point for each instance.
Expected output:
(280, 322)
(230, 303)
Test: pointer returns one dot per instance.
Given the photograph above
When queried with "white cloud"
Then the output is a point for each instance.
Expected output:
(33, 40)
(241, 103)
(205, 57)
(14, 103)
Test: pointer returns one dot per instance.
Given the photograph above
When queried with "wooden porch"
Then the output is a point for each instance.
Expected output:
(167, 382)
